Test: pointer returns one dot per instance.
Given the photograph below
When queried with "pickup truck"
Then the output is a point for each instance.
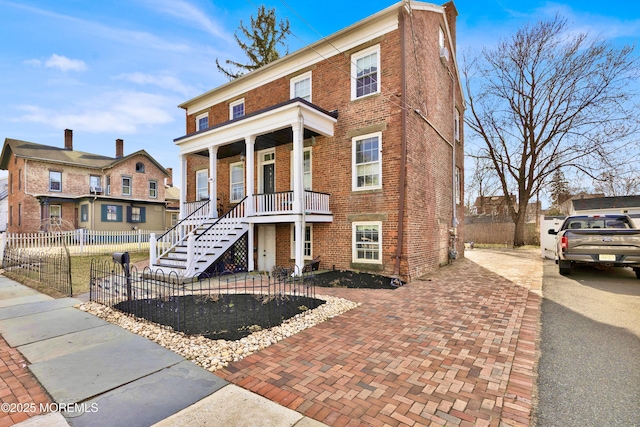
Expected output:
(608, 240)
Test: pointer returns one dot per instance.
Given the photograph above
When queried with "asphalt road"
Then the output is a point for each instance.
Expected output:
(589, 368)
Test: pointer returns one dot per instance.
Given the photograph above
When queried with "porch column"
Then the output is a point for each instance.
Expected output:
(213, 188)
(183, 184)
(250, 142)
(298, 192)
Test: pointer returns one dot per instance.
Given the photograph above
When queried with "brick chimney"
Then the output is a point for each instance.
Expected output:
(119, 148)
(68, 139)
(169, 181)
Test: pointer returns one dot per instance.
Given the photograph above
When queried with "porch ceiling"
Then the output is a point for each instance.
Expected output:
(271, 127)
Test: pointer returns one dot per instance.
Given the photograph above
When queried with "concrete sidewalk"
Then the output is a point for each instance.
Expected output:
(108, 376)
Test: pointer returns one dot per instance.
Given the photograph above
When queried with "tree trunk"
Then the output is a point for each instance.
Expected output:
(518, 233)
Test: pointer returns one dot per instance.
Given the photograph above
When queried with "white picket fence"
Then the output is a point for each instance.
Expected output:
(81, 242)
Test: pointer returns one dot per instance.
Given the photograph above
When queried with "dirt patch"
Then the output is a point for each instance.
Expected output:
(351, 279)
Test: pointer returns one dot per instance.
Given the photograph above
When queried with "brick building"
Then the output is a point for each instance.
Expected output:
(350, 149)
(52, 188)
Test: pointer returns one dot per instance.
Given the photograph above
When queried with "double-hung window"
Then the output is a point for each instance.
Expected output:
(55, 214)
(126, 185)
(236, 109)
(55, 181)
(456, 125)
(202, 184)
(236, 180)
(367, 162)
(308, 241)
(153, 189)
(202, 121)
(365, 72)
(458, 185)
(367, 242)
(301, 86)
(306, 168)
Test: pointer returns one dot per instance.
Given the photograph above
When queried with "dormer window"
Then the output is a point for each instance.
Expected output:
(140, 167)
(236, 109)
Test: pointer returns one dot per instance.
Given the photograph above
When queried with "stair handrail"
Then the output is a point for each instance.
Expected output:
(236, 215)
(175, 237)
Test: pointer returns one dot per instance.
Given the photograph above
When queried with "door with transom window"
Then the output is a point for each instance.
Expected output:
(268, 171)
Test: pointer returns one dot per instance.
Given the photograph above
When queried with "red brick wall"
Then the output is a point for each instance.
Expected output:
(428, 191)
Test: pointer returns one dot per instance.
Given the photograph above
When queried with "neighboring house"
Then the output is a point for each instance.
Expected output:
(492, 205)
(350, 149)
(565, 208)
(606, 205)
(53, 188)
(172, 199)
(4, 203)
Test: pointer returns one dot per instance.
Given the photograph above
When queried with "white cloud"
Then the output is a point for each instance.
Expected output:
(189, 13)
(33, 63)
(65, 64)
(115, 112)
(163, 81)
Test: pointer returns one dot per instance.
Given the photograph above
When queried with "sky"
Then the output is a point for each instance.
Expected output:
(120, 68)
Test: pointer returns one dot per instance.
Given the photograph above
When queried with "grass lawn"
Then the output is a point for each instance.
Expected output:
(81, 268)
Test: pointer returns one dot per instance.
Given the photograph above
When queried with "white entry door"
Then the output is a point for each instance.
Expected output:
(266, 247)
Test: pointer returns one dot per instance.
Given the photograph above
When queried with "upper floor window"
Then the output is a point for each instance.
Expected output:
(94, 184)
(365, 72)
(236, 109)
(456, 125)
(458, 185)
(126, 186)
(202, 121)
(140, 167)
(55, 181)
(306, 168)
(202, 184)
(108, 179)
(367, 162)
(19, 179)
(153, 189)
(236, 180)
(440, 38)
(301, 86)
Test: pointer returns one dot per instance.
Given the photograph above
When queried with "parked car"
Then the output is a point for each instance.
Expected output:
(608, 240)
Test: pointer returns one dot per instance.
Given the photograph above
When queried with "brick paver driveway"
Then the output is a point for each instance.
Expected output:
(454, 348)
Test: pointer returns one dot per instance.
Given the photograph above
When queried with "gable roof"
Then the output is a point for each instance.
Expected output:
(606, 203)
(46, 153)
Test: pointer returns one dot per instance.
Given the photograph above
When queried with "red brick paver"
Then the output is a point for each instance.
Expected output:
(20, 392)
(457, 349)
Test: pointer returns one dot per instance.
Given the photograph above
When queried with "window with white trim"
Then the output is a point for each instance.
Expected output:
(365, 72)
(236, 109)
(301, 86)
(457, 125)
(367, 242)
(55, 214)
(458, 185)
(55, 181)
(367, 161)
(202, 184)
(306, 168)
(308, 241)
(202, 121)
(236, 181)
(153, 189)
(126, 186)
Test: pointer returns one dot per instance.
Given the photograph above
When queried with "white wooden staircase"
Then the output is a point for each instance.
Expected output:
(195, 243)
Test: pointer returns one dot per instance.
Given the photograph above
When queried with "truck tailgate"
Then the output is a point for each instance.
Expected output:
(612, 241)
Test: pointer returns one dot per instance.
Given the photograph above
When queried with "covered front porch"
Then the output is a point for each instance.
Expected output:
(248, 145)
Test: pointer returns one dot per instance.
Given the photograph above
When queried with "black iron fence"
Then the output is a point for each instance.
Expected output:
(50, 269)
(227, 306)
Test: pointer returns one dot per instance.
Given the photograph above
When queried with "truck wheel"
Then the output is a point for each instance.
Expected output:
(565, 267)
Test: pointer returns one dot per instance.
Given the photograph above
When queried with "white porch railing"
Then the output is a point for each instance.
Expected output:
(282, 203)
(199, 212)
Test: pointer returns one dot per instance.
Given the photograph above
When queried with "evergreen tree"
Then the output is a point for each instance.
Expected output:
(560, 191)
(262, 40)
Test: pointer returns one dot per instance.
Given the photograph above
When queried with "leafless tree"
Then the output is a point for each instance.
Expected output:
(548, 98)
(481, 184)
(618, 183)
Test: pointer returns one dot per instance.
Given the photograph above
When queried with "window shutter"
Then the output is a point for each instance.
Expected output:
(128, 213)
(119, 213)
(103, 213)
(143, 212)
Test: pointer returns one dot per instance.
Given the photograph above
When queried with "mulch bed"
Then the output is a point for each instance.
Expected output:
(352, 279)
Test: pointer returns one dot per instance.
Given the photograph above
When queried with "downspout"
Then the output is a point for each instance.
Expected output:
(403, 152)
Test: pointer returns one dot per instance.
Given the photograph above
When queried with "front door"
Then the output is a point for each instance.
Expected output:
(266, 247)
(268, 173)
